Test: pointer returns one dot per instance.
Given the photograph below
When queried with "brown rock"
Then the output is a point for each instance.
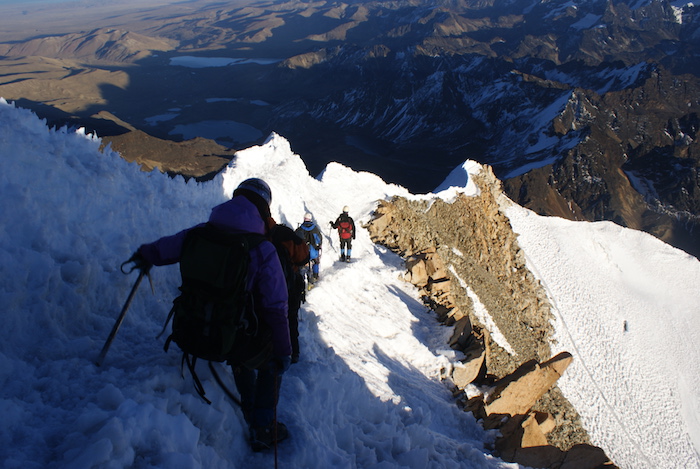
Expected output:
(455, 315)
(517, 393)
(465, 373)
(435, 267)
(524, 442)
(539, 456)
(417, 273)
(586, 457)
(462, 334)
(475, 405)
(439, 289)
(532, 433)
(546, 422)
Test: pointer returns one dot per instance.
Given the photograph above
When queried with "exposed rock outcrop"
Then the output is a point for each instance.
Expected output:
(465, 259)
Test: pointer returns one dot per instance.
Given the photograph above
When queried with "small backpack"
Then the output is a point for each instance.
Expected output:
(345, 229)
(214, 312)
(283, 238)
(312, 238)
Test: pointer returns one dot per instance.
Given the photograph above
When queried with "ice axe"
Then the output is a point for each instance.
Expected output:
(330, 235)
(110, 339)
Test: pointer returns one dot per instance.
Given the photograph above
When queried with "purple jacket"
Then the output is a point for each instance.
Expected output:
(265, 276)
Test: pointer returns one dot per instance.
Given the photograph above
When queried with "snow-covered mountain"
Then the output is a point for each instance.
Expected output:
(367, 391)
(589, 108)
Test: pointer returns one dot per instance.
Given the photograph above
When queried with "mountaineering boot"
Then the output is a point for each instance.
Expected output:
(342, 257)
(347, 258)
(262, 438)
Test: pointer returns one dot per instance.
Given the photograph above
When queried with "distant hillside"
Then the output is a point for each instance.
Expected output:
(101, 45)
(586, 111)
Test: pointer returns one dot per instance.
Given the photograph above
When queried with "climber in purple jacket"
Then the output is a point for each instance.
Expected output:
(258, 375)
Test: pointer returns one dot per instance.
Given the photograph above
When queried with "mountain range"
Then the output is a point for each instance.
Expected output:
(586, 110)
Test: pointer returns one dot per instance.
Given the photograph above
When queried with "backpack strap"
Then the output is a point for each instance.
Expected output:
(224, 388)
(191, 362)
(165, 327)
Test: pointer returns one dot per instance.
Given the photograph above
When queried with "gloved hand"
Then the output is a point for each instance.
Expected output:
(140, 262)
(281, 364)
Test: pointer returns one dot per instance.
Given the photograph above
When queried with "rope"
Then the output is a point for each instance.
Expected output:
(275, 414)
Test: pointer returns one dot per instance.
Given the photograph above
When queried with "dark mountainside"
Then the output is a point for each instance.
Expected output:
(585, 111)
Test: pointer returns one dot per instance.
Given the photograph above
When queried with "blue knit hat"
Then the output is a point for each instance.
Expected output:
(256, 186)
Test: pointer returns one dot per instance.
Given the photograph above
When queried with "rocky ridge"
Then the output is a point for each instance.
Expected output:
(464, 257)
(634, 167)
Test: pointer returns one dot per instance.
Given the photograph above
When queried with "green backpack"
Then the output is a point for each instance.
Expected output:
(213, 315)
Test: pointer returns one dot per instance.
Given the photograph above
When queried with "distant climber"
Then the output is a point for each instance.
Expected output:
(346, 232)
(311, 233)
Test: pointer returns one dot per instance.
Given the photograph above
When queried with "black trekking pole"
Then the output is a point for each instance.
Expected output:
(108, 343)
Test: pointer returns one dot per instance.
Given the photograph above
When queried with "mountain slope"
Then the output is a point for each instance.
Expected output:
(102, 45)
(367, 391)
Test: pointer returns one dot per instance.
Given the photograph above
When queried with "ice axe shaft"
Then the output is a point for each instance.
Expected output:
(117, 324)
